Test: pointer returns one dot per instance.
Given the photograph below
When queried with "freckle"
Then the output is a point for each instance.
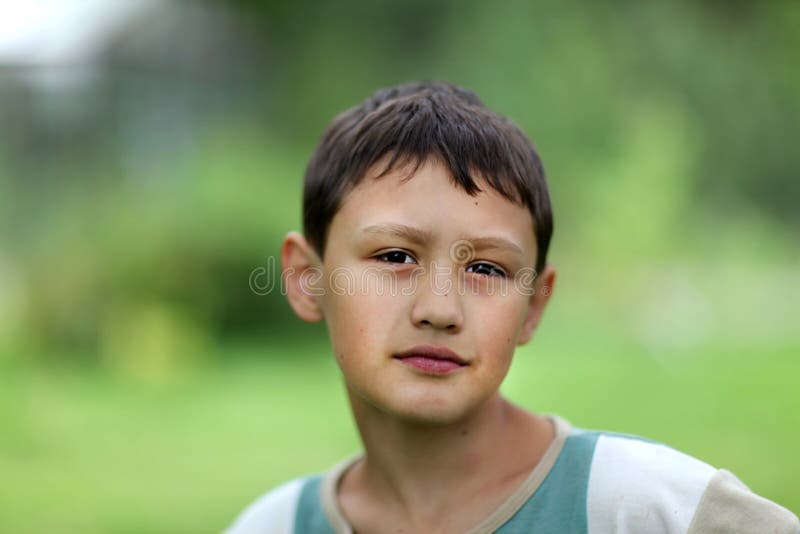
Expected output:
(476, 202)
(464, 432)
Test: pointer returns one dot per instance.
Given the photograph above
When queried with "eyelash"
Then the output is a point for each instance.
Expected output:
(384, 257)
(499, 271)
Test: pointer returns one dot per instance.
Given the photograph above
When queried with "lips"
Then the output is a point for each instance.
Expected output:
(432, 359)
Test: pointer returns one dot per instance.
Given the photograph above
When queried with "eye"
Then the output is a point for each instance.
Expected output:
(485, 269)
(396, 256)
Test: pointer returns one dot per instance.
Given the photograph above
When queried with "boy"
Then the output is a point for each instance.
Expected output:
(427, 222)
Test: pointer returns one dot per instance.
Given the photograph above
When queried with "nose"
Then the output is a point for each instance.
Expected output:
(437, 303)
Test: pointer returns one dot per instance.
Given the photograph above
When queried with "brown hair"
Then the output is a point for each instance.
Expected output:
(410, 123)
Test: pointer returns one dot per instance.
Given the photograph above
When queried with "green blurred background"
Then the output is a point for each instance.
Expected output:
(151, 159)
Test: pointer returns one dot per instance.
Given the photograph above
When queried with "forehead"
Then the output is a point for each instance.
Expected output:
(430, 201)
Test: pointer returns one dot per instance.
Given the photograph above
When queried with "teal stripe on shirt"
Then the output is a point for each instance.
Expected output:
(310, 516)
(559, 504)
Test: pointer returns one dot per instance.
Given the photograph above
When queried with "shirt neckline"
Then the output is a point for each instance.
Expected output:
(495, 520)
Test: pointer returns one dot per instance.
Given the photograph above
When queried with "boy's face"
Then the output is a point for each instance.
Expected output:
(416, 268)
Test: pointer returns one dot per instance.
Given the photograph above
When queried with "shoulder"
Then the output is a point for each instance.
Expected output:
(272, 513)
(641, 486)
(729, 506)
(636, 485)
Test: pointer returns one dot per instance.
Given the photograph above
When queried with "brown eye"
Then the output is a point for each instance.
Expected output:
(486, 269)
(396, 256)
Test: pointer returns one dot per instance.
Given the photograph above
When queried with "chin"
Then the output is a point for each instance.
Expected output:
(431, 412)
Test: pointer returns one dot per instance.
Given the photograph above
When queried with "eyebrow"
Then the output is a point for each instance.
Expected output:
(494, 243)
(403, 231)
(421, 237)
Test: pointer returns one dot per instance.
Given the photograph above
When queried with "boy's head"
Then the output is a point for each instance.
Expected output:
(414, 122)
(427, 222)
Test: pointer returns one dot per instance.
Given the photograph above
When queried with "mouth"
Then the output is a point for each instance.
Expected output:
(432, 360)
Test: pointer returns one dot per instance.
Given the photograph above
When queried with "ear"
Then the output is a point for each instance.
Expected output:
(543, 290)
(301, 272)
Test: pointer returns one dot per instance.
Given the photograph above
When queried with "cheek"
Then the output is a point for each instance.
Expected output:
(499, 322)
(362, 323)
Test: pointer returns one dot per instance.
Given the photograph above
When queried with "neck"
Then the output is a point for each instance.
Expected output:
(427, 469)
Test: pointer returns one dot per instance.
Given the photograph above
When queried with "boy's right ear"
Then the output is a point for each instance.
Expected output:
(302, 272)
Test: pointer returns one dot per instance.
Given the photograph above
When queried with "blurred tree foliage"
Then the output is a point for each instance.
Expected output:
(652, 118)
(574, 67)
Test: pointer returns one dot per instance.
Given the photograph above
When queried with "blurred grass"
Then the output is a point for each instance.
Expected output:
(84, 451)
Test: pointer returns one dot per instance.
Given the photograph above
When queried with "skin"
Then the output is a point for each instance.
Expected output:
(420, 262)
